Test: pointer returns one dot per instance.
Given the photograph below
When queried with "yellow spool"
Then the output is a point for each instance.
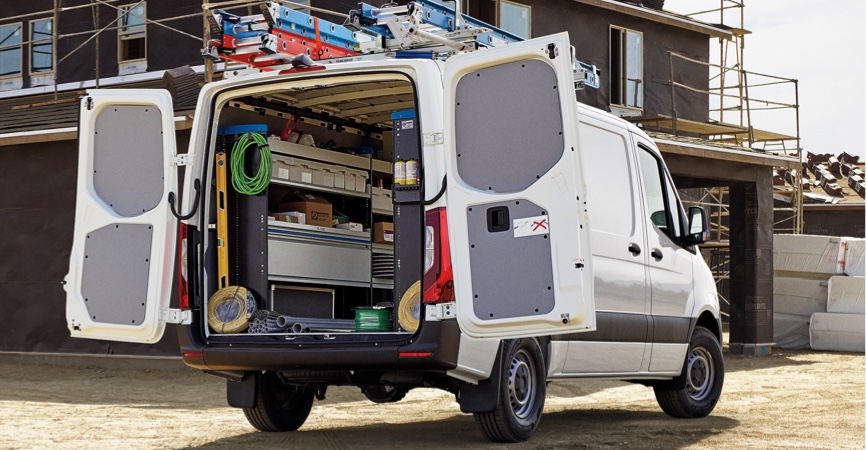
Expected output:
(409, 311)
(230, 308)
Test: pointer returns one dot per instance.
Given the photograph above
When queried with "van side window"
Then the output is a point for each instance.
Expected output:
(674, 207)
(609, 180)
(662, 204)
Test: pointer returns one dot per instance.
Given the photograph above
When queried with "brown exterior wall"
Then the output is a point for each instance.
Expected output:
(37, 211)
(589, 30)
(835, 222)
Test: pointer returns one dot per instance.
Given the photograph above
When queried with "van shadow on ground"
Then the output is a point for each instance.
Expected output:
(572, 429)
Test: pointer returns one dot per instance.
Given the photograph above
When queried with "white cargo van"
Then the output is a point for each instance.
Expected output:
(461, 224)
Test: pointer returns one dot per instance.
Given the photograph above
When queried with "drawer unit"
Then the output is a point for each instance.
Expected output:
(303, 256)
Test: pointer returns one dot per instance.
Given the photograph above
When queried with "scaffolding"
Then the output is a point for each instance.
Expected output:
(124, 12)
(739, 99)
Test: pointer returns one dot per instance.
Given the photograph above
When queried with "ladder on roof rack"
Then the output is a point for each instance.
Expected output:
(281, 37)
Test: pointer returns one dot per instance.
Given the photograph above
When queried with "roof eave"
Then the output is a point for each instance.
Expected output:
(661, 17)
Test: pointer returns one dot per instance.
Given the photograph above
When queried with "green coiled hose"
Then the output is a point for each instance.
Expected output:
(240, 181)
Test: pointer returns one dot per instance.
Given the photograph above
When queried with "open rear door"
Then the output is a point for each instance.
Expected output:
(120, 270)
(516, 214)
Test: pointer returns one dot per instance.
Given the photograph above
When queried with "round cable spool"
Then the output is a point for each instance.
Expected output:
(409, 311)
(229, 310)
(369, 318)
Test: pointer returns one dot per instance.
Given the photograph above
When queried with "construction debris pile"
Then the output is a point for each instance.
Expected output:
(830, 173)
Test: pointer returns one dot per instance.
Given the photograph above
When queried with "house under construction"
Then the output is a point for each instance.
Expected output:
(656, 70)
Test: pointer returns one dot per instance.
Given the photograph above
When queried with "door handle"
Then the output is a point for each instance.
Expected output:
(657, 254)
(634, 249)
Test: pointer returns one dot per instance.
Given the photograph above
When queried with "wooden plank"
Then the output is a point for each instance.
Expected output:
(689, 126)
(764, 136)
(38, 138)
(727, 155)
(46, 103)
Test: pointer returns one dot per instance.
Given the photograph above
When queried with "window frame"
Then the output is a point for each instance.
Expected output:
(499, 16)
(20, 73)
(621, 75)
(128, 35)
(33, 45)
(666, 186)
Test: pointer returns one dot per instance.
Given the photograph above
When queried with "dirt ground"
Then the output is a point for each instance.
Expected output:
(789, 399)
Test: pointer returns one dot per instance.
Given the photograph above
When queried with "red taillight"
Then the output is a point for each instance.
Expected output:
(193, 355)
(438, 275)
(414, 354)
(182, 292)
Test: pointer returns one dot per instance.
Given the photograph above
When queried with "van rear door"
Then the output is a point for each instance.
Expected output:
(516, 214)
(120, 268)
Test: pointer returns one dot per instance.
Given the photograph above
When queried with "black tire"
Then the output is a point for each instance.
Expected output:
(279, 407)
(702, 379)
(521, 394)
(381, 393)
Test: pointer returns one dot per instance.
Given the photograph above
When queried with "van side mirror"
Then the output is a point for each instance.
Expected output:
(698, 226)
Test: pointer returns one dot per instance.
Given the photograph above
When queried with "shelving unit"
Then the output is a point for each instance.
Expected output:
(307, 254)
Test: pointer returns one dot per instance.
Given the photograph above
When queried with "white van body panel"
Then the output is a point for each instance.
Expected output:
(544, 214)
(121, 265)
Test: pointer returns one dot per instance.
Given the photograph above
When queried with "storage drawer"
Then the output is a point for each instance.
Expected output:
(282, 167)
(299, 257)
(356, 180)
(382, 199)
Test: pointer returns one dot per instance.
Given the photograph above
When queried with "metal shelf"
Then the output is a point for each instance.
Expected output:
(329, 156)
(313, 187)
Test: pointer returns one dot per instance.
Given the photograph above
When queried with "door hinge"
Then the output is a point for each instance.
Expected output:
(88, 103)
(552, 51)
(181, 160)
(182, 317)
(442, 311)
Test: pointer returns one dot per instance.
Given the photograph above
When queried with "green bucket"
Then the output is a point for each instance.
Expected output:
(368, 318)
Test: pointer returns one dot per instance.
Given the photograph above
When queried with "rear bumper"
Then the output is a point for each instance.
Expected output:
(439, 339)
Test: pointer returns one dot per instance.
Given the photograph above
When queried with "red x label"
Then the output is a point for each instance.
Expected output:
(540, 224)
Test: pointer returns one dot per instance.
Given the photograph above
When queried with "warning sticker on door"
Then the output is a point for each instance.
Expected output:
(531, 226)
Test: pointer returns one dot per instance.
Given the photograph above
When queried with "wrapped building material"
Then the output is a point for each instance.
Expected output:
(847, 295)
(800, 296)
(806, 255)
(838, 332)
(791, 330)
(852, 257)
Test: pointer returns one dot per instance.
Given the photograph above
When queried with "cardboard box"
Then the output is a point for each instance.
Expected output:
(316, 209)
(291, 217)
(351, 226)
(383, 233)
(286, 218)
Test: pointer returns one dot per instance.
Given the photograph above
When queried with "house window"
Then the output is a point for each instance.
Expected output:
(626, 68)
(41, 49)
(515, 18)
(132, 34)
(10, 50)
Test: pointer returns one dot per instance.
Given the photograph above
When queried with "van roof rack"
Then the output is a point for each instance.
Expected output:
(282, 37)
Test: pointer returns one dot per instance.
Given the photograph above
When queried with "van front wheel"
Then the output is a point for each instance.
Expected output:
(701, 380)
(521, 394)
(279, 407)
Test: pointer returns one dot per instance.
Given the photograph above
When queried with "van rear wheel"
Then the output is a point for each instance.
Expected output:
(521, 394)
(279, 407)
(701, 380)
